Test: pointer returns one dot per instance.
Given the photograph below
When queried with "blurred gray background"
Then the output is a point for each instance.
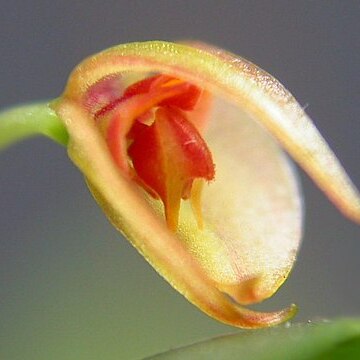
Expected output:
(70, 286)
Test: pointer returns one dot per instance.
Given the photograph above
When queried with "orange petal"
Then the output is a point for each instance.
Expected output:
(167, 155)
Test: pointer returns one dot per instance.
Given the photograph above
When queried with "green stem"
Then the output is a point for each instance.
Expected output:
(28, 120)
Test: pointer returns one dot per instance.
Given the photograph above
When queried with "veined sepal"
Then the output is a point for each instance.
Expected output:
(252, 211)
(126, 207)
(251, 221)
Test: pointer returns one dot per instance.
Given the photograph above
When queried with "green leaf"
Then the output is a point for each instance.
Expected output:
(28, 120)
(323, 340)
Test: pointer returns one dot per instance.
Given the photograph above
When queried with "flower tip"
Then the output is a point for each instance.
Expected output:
(249, 319)
(246, 293)
(275, 318)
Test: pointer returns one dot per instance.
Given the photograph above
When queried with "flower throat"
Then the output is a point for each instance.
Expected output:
(153, 132)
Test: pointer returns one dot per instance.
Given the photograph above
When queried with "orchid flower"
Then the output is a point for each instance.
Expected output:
(181, 145)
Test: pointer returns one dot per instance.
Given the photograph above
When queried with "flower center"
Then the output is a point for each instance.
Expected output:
(153, 134)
